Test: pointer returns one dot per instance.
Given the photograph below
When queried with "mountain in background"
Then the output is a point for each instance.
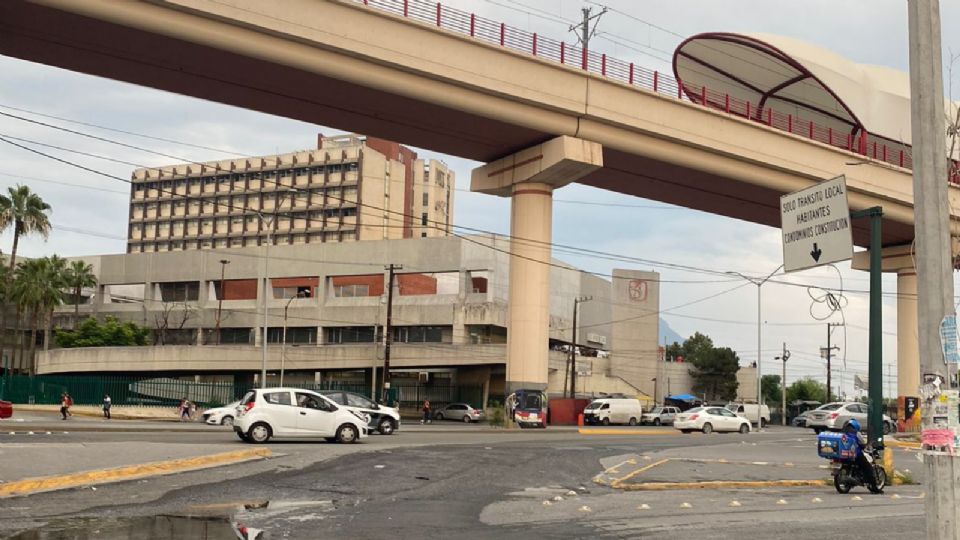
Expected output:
(669, 333)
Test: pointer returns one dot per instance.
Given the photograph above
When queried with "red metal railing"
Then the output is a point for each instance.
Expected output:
(496, 33)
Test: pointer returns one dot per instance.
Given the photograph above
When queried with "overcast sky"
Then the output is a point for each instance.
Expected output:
(92, 219)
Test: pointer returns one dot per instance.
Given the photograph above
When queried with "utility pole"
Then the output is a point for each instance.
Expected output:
(573, 346)
(783, 386)
(388, 332)
(223, 267)
(828, 354)
(933, 258)
(584, 32)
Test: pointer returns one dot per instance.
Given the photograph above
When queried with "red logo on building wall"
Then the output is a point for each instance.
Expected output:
(637, 290)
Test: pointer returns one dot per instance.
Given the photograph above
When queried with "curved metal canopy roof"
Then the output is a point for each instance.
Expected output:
(793, 77)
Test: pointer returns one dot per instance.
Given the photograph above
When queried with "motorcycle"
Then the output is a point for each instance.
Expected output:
(844, 450)
(847, 474)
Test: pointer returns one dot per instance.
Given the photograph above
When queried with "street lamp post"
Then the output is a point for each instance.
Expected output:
(283, 344)
(223, 268)
(759, 283)
(783, 386)
(266, 280)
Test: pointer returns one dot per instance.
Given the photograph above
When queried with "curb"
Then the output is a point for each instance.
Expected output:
(720, 484)
(602, 431)
(29, 486)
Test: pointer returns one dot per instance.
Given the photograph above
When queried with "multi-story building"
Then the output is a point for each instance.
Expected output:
(449, 320)
(350, 188)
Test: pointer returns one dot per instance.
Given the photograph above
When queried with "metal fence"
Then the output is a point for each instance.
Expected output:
(166, 392)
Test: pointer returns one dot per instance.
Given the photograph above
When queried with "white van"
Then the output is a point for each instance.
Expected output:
(749, 411)
(608, 411)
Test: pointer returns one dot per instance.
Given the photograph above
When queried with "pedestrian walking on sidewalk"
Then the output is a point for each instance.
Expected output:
(184, 410)
(107, 402)
(426, 412)
(69, 404)
(63, 406)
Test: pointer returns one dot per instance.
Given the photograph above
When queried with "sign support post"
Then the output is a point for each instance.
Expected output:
(875, 371)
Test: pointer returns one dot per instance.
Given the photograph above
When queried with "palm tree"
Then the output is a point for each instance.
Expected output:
(27, 212)
(79, 275)
(37, 290)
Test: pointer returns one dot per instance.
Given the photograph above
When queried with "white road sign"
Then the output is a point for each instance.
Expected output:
(816, 228)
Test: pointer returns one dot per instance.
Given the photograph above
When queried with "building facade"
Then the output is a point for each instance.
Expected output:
(350, 188)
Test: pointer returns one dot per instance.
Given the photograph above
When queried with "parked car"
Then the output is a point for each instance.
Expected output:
(800, 420)
(221, 416)
(6, 409)
(385, 420)
(834, 417)
(709, 419)
(659, 416)
(292, 412)
(608, 411)
(749, 411)
(461, 412)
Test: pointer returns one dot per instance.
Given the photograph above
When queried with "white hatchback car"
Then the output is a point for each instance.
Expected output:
(293, 412)
(221, 416)
(709, 419)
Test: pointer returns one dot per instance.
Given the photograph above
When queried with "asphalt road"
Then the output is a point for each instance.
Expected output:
(445, 484)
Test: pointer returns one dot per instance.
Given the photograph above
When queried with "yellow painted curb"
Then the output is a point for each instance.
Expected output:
(618, 482)
(903, 444)
(601, 431)
(721, 484)
(29, 486)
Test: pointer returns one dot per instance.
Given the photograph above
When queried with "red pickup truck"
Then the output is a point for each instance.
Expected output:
(6, 409)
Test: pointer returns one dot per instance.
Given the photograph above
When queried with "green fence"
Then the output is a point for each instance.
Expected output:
(161, 391)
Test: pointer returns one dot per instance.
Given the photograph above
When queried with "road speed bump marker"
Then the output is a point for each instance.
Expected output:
(856, 498)
(547, 503)
(571, 493)
(817, 500)
(643, 507)
(781, 502)
(894, 496)
(29, 486)
(586, 509)
(558, 498)
(686, 505)
(735, 504)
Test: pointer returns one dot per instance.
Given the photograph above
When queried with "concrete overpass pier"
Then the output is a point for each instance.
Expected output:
(529, 178)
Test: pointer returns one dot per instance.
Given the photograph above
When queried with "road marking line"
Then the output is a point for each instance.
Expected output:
(617, 481)
(615, 468)
(50, 483)
(601, 431)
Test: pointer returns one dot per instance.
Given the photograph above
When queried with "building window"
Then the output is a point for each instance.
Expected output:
(423, 235)
(350, 291)
(295, 334)
(180, 291)
(423, 219)
(418, 334)
(351, 334)
(232, 336)
(426, 199)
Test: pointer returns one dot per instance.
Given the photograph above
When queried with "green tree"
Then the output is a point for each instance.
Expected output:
(109, 333)
(770, 388)
(807, 389)
(27, 212)
(714, 368)
(38, 289)
(79, 275)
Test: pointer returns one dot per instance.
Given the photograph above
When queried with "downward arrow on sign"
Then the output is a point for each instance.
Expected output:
(816, 253)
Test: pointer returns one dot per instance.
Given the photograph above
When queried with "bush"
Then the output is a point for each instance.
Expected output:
(496, 418)
(110, 333)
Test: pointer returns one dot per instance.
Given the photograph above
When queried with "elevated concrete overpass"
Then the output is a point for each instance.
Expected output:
(426, 75)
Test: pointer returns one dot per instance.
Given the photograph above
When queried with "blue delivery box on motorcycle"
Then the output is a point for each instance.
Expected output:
(839, 446)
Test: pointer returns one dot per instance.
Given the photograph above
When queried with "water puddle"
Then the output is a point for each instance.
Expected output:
(141, 528)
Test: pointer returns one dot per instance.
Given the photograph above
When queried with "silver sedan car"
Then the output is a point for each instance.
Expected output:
(461, 412)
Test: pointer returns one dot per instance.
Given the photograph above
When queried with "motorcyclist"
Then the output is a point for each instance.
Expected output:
(852, 429)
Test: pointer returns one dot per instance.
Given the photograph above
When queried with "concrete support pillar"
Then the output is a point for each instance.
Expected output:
(908, 351)
(529, 178)
(528, 314)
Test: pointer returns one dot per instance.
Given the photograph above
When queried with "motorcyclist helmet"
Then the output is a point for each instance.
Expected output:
(853, 426)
